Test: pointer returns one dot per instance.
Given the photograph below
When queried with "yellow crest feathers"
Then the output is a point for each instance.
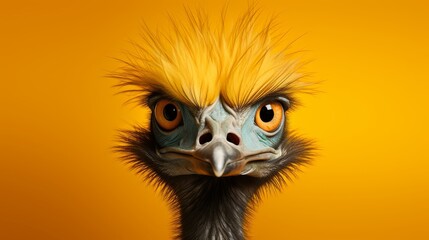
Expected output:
(197, 61)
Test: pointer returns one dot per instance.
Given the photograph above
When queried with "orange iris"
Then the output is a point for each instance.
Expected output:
(168, 115)
(269, 116)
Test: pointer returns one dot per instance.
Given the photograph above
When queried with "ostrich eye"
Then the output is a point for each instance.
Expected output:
(168, 115)
(269, 116)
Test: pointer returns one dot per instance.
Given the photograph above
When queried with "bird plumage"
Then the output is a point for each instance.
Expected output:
(196, 61)
(209, 207)
(215, 162)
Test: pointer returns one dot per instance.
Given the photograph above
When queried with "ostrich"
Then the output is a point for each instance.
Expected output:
(218, 94)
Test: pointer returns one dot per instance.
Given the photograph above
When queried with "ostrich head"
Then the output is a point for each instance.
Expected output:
(219, 95)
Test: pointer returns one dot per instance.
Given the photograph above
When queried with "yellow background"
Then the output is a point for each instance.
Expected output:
(59, 117)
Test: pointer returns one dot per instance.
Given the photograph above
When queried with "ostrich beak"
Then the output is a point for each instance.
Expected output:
(221, 156)
(219, 160)
(219, 144)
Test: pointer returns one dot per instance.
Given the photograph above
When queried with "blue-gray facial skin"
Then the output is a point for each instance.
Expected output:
(218, 140)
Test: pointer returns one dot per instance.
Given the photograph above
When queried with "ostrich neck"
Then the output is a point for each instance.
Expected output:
(210, 207)
(213, 208)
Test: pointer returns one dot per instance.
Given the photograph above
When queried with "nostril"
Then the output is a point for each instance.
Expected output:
(205, 138)
(233, 138)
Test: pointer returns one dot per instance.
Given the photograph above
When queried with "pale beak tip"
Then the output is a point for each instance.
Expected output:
(218, 173)
(219, 161)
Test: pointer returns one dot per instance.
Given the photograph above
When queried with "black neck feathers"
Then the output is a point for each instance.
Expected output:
(213, 208)
(210, 208)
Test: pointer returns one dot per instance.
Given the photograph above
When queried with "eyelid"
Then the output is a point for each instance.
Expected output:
(155, 97)
(284, 101)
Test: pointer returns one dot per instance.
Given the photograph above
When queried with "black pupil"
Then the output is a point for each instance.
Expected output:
(266, 113)
(170, 112)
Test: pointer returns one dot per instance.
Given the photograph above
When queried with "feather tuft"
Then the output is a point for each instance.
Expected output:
(196, 61)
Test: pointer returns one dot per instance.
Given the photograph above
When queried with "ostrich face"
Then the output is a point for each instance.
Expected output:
(218, 92)
(219, 140)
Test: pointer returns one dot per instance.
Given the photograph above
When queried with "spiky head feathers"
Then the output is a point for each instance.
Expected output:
(217, 159)
(198, 61)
